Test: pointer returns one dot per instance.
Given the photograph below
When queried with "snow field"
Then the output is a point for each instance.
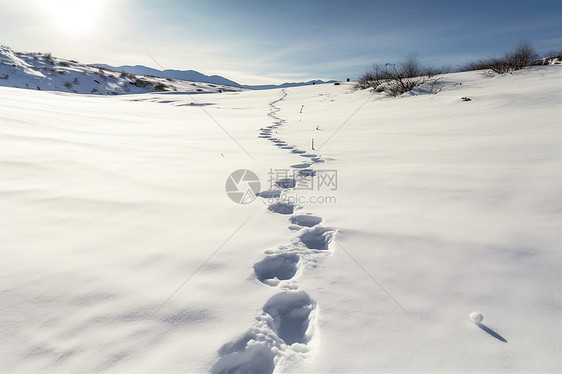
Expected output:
(116, 206)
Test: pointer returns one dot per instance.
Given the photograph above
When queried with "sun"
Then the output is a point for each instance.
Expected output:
(73, 17)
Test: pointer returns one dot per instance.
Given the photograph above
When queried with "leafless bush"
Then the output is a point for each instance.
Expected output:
(49, 58)
(396, 79)
(129, 76)
(433, 71)
(142, 83)
(371, 78)
(522, 56)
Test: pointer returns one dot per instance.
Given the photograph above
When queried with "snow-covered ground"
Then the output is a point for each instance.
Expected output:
(122, 252)
(38, 71)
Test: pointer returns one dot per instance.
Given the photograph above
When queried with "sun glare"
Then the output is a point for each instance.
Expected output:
(73, 17)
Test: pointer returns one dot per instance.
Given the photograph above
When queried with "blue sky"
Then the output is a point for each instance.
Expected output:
(255, 42)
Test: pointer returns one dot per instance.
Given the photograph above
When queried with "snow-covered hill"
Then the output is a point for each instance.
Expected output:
(378, 251)
(44, 72)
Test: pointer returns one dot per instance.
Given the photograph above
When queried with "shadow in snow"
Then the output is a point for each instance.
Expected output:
(192, 104)
(491, 332)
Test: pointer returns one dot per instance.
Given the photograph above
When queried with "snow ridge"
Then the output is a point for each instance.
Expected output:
(282, 334)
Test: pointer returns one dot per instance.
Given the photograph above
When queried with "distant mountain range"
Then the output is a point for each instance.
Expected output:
(195, 76)
(186, 75)
(286, 85)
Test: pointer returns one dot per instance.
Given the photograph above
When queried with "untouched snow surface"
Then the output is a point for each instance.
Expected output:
(122, 252)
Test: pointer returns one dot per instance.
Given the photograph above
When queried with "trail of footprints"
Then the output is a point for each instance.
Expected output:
(287, 323)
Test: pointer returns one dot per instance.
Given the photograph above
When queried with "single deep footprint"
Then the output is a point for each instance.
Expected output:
(286, 183)
(317, 160)
(282, 208)
(306, 220)
(302, 165)
(242, 358)
(290, 312)
(282, 267)
(307, 173)
(271, 194)
(317, 237)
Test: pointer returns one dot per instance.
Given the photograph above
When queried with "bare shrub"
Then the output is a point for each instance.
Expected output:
(142, 83)
(521, 56)
(129, 76)
(49, 58)
(396, 79)
(372, 77)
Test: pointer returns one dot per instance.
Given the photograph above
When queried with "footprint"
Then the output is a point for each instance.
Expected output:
(243, 357)
(282, 266)
(307, 173)
(317, 237)
(306, 220)
(282, 208)
(290, 312)
(298, 151)
(310, 155)
(317, 160)
(301, 166)
(287, 147)
(286, 183)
